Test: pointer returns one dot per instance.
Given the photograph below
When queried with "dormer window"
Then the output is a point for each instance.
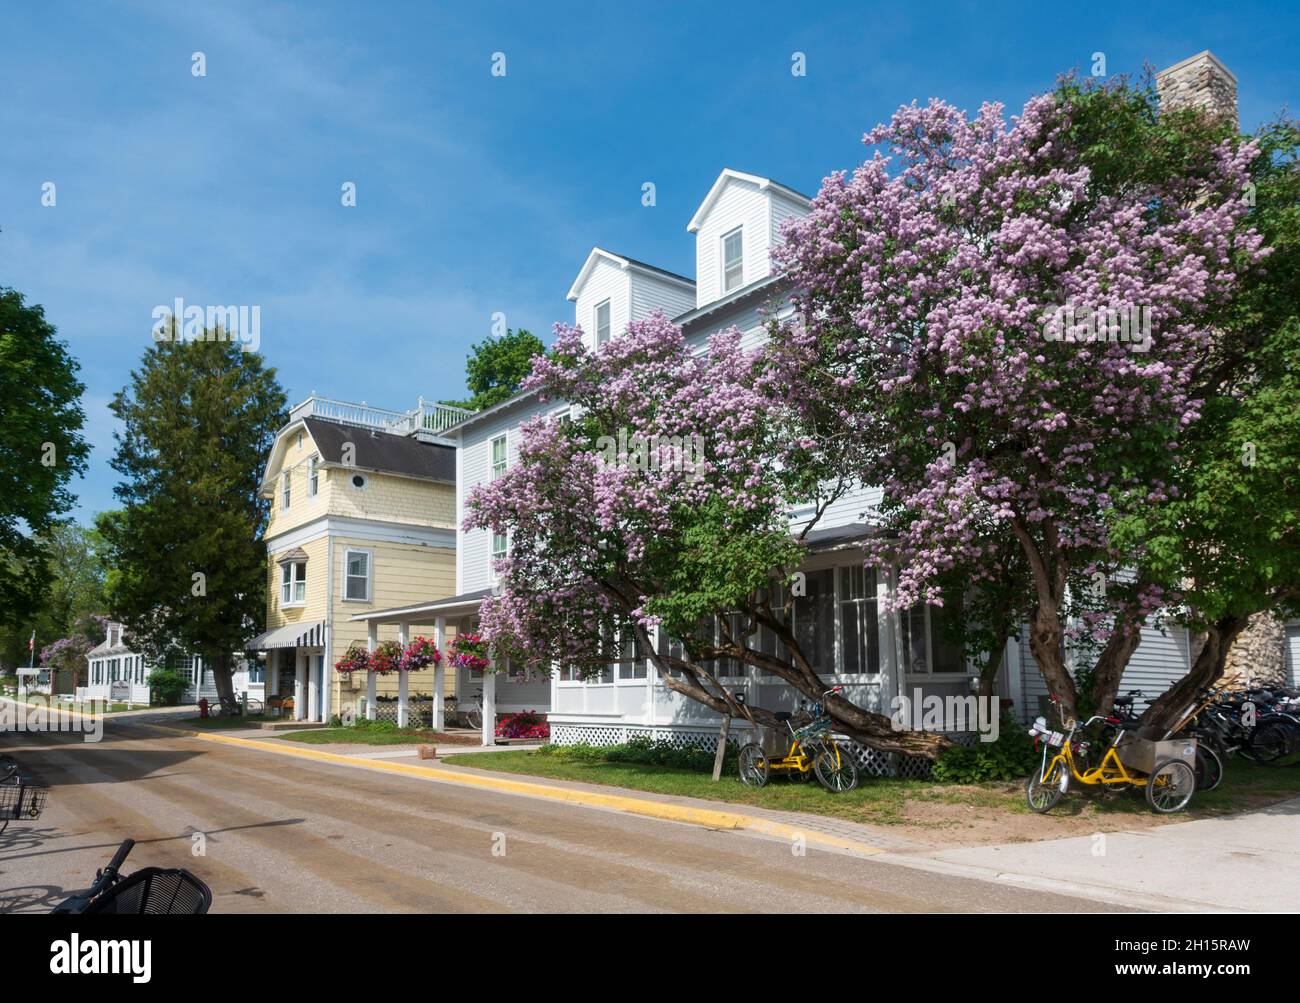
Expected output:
(733, 260)
(602, 323)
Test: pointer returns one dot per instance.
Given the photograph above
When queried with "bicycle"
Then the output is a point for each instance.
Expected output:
(153, 890)
(1164, 766)
(812, 750)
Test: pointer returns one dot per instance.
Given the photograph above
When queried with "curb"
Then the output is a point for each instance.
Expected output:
(704, 817)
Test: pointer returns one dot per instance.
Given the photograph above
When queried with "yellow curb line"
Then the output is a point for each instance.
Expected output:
(706, 817)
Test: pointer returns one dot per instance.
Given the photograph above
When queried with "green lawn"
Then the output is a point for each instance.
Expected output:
(899, 802)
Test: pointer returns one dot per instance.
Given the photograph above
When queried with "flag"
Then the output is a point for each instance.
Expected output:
(31, 642)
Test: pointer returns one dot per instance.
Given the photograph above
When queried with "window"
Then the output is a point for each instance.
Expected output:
(293, 583)
(733, 667)
(947, 653)
(298, 441)
(733, 261)
(359, 482)
(602, 323)
(498, 456)
(313, 476)
(356, 575)
(500, 544)
(632, 660)
(284, 490)
(814, 620)
(859, 628)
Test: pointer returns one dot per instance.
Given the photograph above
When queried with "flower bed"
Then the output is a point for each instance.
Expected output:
(524, 724)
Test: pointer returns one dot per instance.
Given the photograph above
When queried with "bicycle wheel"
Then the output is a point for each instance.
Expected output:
(474, 718)
(1209, 768)
(1171, 786)
(835, 768)
(253, 708)
(1270, 742)
(1042, 793)
(754, 768)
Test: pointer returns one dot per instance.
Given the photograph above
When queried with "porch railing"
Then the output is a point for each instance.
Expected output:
(429, 416)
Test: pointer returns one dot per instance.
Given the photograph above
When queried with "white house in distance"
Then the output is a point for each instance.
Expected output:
(120, 675)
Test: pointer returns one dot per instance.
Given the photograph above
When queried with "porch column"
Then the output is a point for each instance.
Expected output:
(299, 686)
(372, 637)
(313, 687)
(403, 678)
(440, 675)
(489, 706)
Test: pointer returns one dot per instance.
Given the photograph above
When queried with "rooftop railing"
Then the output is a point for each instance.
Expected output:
(428, 416)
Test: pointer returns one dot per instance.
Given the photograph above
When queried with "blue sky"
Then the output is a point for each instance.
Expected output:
(475, 194)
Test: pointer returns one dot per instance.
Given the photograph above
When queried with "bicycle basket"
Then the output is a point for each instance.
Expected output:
(1142, 754)
(817, 726)
(155, 891)
(22, 800)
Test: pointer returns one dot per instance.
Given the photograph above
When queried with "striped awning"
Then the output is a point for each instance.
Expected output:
(295, 635)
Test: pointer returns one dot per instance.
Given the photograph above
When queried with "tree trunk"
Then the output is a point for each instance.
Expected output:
(989, 674)
(1045, 643)
(1111, 664)
(1166, 709)
(220, 666)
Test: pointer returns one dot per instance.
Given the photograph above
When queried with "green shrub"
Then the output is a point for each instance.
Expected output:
(1009, 758)
(644, 751)
(168, 686)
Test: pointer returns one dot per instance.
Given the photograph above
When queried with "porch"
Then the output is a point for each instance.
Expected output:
(494, 691)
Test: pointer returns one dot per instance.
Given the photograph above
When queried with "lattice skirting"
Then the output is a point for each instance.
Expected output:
(871, 761)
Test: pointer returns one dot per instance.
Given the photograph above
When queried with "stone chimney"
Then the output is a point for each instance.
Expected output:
(1200, 81)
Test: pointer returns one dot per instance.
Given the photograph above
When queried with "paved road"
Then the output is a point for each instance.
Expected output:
(286, 835)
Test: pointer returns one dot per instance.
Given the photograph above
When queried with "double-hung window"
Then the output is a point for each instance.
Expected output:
(498, 456)
(602, 323)
(284, 490)
(733, 260)
(313, 476)
(356, 575)
(293, 583)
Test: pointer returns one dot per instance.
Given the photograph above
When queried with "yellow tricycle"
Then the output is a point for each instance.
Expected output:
(812, 752)
(1167, 769)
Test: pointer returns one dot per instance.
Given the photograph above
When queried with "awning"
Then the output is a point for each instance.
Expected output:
(295, 635)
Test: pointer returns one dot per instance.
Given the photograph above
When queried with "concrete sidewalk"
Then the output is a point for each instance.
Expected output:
(1246, 862)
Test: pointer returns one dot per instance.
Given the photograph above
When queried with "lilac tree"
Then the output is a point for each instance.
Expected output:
(664, 502)
(1001, 324)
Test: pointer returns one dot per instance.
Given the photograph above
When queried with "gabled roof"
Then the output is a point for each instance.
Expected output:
(729, 175)
(622, 261)
(383, 452)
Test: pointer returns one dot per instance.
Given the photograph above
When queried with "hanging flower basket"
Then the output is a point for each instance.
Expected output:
(356, 659)
(419, 654)
(470, 651)
(386, 658)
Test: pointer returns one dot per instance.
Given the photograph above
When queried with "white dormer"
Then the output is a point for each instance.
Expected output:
(611, 291)
(735, 229)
